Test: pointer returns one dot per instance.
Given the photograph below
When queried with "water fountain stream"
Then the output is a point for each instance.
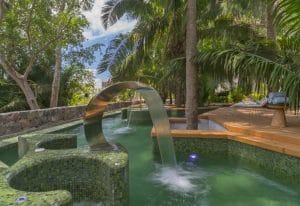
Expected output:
(97, 106)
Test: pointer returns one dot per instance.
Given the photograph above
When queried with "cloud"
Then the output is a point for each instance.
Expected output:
(96, 28)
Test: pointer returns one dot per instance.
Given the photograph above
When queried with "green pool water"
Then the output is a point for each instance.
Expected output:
(211, 181)
(9, 156)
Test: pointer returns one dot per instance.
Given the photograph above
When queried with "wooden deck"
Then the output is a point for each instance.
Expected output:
(253, 126)
(250, 126)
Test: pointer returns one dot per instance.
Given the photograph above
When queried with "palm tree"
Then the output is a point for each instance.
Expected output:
(259, 61)
(157, 22)
(129, 53)
(191, 68)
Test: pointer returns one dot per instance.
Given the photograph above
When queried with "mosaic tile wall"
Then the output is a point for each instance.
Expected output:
(70, 175)
(137, 116)
(284, 167)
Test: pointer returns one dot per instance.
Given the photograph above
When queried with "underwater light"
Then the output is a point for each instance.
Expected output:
(193, 157)
(21, 199)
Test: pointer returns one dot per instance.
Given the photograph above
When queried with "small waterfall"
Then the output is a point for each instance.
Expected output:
(161, 124)
(129, 117)
(127, 128)
(98, 104)
(129, 111)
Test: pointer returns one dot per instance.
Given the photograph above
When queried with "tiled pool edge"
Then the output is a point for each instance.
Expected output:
(109, 169)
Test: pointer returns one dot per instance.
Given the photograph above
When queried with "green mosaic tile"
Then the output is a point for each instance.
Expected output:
(283, 167)
(59, 176)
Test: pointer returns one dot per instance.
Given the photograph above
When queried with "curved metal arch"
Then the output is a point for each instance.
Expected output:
(96, 108)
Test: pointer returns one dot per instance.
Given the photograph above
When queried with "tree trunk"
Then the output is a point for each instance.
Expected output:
(28, 93)
(271, 29)
(178, 91)
(191, 68)
(21, 81)
(57, 70)
(56, 78)
(170, 97)
(1, 9)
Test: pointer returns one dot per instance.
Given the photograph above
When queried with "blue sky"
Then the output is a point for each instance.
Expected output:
(97, 34)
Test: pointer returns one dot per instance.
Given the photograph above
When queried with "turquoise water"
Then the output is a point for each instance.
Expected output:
(212, 181)
(9, 156)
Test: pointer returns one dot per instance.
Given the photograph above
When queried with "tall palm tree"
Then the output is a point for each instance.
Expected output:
(191, 67)
(165, 21)
(161, 21)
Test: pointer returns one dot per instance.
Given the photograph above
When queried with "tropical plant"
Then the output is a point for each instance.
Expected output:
(234, 43)
(28, 37)
(68, 9)
(77, 85)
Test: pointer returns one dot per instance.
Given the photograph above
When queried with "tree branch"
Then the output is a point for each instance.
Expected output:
(29, 66)
(8, 69)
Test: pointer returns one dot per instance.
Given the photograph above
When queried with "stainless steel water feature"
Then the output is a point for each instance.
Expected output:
(96, 108)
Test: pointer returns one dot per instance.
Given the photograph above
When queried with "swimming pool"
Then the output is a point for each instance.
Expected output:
(210, 180)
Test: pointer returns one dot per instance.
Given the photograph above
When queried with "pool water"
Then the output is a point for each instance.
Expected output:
(10, 155)
(207, 181)
(210, 181)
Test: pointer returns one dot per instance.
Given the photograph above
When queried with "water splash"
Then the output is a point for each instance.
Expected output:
(123, 130)
(181, 180)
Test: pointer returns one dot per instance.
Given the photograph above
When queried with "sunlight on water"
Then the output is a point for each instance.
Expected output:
(123, 130)
(178, 179)
(268, 182)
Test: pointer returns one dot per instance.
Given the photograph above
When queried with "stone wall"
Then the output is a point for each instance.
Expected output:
(18, 121)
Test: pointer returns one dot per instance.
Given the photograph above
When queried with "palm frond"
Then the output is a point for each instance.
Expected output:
(288, 16)
(119, 48)
(113, 10)
(126, 52)
(253, 65)
(87, 4)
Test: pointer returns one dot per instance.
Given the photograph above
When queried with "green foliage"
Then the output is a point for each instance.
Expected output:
(113, 10)
(126, 95)
(257, 96)
(288, 16)
(77, 86)
(39, 29)
(235, 95)
(218, 98)
(30, 31)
